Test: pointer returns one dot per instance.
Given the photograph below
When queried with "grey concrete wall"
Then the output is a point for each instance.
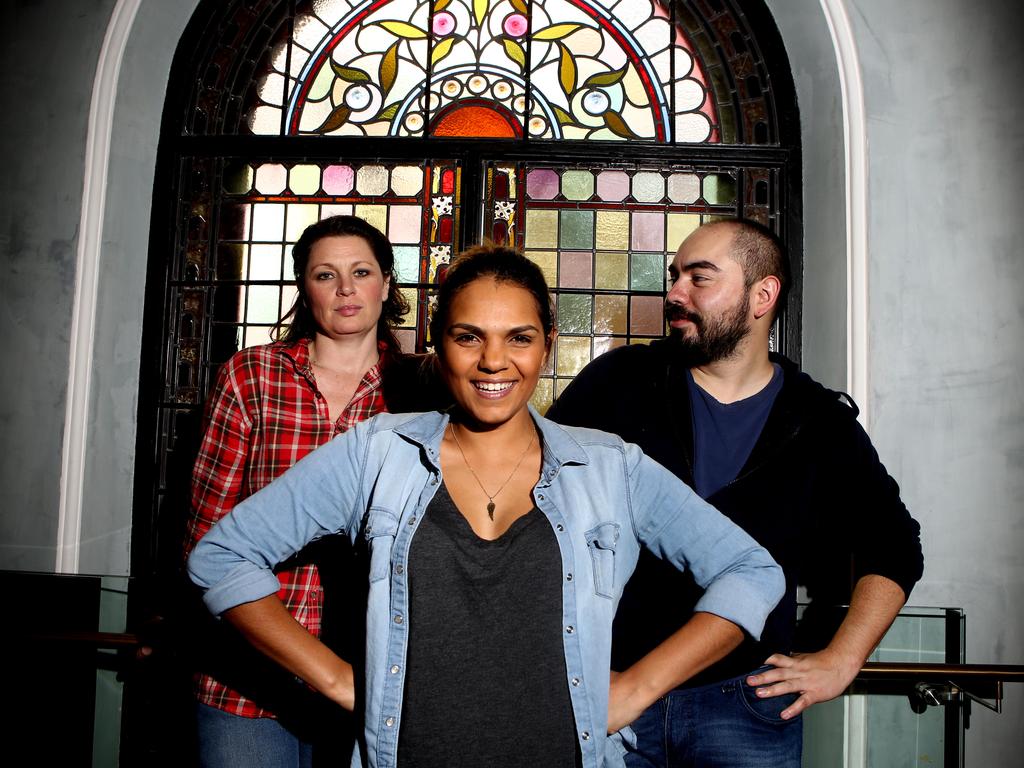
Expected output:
(48, 55)
(946, 310)
(110, 465)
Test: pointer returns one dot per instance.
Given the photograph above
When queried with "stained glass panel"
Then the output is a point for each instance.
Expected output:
(264, 208)
(513, 69)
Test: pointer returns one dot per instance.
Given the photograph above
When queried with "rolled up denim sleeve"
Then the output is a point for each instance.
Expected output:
(742, 582)
(234, 561)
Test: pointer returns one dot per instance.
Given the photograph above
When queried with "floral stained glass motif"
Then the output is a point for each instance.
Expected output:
(538, 69)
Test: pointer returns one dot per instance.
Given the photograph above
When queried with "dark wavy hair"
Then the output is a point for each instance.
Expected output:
(500, 263)
(298, 322)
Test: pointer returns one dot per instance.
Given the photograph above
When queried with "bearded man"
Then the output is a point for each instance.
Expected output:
(784, 458)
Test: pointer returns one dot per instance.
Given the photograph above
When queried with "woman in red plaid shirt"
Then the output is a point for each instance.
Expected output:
(336, 363)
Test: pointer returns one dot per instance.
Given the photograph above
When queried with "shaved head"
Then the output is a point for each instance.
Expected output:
(758, 251)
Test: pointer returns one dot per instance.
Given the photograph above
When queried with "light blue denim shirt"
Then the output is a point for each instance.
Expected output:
(603, 498)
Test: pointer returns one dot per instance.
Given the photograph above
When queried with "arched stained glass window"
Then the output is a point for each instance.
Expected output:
(592, 134)
(551, 69)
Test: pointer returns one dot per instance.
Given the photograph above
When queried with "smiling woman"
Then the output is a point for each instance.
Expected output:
(499, 545)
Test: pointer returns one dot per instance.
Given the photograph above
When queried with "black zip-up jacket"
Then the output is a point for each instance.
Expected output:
(813, 493)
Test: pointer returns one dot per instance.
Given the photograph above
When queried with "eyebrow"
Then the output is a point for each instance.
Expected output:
(480, 331)
(701, 265)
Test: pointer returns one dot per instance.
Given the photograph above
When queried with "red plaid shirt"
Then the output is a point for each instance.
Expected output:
(264, 414)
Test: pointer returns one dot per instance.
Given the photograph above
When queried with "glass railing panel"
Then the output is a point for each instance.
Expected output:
(868, 727)
(106, 735)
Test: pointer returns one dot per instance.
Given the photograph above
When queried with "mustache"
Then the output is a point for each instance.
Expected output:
(678, 312)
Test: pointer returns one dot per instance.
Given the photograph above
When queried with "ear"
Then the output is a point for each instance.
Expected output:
(765, 294)
(549, 344)
(385, 288)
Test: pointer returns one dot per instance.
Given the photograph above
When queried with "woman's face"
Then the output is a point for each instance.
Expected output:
(494, 349)
(345, 286)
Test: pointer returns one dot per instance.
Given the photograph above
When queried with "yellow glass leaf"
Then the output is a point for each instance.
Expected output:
(389, 68)
(564, 118)
(606, 78)
(404, 30)
(335, 120)
(440, 5)
(617, 125)
(389, 112)
(520, 5)
(441, 50)
(349, 74)
(556, 31)
(480, 11)
(566, 70)
(515, 52)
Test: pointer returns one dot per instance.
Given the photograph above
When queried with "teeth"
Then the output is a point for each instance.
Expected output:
(489, 386)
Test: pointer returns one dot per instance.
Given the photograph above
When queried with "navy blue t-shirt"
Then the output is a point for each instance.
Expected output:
(724, 434)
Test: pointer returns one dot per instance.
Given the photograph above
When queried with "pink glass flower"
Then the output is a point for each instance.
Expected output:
(515, 25)
(444, 23)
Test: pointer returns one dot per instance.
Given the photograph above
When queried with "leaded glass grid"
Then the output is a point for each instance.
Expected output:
(602, 235)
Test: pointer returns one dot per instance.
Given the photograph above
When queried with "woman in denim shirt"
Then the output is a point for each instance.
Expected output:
(499, 545)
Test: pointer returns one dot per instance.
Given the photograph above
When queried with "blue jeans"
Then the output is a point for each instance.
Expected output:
(722, 725)
(230, 741)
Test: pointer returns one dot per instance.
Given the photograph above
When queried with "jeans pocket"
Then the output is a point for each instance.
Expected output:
(381, 526)
(601, 541)
(768, 709)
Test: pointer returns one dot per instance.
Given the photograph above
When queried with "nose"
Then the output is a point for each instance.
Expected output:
(677, 294)
(346, 286)
(493, 356)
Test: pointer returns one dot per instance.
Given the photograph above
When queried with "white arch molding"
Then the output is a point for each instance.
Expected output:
(94, 193)
(83, 316)
(855, 145)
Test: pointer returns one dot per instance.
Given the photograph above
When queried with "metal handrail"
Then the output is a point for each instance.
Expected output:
(938, 684)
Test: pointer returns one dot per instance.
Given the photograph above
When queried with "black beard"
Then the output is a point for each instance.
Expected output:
(714, 340)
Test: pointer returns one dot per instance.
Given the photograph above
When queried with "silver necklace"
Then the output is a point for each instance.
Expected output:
(491, 496)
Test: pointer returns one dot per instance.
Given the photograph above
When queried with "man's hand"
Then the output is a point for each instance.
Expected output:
(816, 677)
(826, 674)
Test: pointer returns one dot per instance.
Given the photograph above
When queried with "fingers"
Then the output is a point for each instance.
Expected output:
(780, 664)
(796, 707)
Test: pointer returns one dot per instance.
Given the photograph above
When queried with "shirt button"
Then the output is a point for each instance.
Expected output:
(570, 629)
(540, 496)
(585, 735)
(391, 721)
(369, 529)
(399, 569)
(568, 577)
(394, 669)
(412, 520)
(433, 479)
(576, 682)
(398, 619)
(559, 527)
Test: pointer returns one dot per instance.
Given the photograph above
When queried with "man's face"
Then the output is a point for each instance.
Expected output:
(708, 305)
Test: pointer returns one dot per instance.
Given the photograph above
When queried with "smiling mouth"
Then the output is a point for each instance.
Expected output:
(493, 388)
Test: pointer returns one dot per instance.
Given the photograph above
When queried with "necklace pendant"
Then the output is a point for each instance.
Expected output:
(490, 510)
